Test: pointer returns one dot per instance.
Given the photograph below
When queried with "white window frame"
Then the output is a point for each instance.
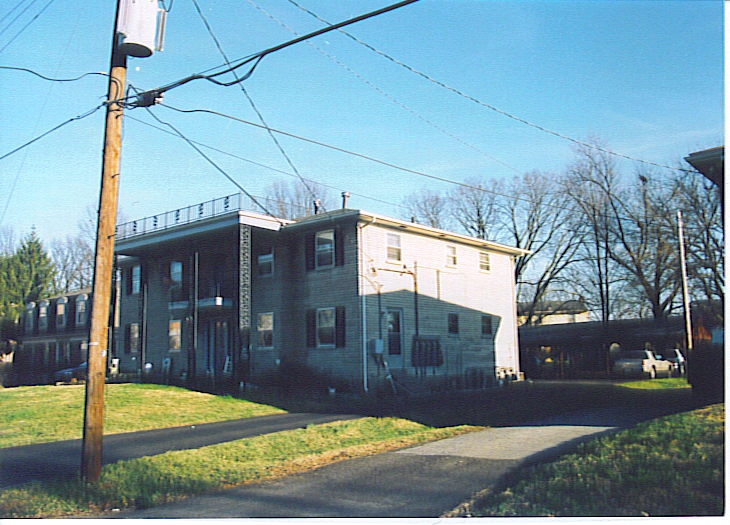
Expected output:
(451, 259)
(82, 310)
(264, 325)
(324, 249)
(393, 248)
(485, 262)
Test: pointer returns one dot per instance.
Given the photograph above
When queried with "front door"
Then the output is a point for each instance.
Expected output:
(394, 323)
(218, 347)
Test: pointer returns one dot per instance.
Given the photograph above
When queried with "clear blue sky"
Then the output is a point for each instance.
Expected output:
(646, 77)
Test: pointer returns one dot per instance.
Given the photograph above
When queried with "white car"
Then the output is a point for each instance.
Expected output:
(642, 363)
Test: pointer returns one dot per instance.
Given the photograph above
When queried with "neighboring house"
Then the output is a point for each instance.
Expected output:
(552, 312)
(54, 335)
(215, 293)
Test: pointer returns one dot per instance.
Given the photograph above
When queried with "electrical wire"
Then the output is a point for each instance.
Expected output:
(211, 162)
(257, 57)
(44, 77)
(17, 16)
(390, 97)
(484, 104)
(253, 105)
(341, 150)
(26, 25)
(259, 164)
(56, 128)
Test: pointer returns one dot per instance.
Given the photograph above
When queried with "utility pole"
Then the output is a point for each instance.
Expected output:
(103, 266)
(685, 290)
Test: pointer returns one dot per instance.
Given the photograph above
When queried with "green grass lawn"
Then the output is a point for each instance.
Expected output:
(670, 466)
(678, 460)
(41, 414)
(147, 481)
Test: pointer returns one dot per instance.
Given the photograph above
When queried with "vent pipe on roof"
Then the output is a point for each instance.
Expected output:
(345, 196)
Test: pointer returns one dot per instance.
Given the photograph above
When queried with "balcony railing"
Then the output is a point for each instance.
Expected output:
(170, 219)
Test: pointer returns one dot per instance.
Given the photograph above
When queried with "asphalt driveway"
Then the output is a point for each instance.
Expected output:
(422, 481)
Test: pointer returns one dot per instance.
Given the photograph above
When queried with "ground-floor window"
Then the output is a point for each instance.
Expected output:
(265, 329)
(174, 335)
(326, 327)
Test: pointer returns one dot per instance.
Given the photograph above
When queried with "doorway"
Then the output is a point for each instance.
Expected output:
(394, 324)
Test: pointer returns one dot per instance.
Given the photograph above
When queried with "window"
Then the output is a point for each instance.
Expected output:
(487, 329)
(81, 310)
(454, 324)
(135, 279)
(484, 263)
(43, 316)
(266, 262)
(131, 343)
(394, 252)
(265, 328)
(61, 313)
(451, 256)
(29, 318)
(176, 273)
(326, 327)
(324, 248)
(177, 290)
(174, 335)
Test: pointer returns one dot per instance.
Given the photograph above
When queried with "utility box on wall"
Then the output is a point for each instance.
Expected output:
(138, 29)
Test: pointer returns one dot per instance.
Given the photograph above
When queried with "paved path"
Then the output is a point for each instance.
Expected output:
(62, 459)
(422, 481)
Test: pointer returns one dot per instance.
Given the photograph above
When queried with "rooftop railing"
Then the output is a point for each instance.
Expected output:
(197, 212)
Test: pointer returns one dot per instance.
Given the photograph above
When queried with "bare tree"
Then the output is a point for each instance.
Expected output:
(73, 259)
(536, 217)
(701, 206)
(428, 207)
(7, 241)
(295, 200)
(591, 183)
(473, 207)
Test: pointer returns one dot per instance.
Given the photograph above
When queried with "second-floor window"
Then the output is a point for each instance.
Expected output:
(266, 262)
(81, 316)
(394, 251)
(484, 262)
(487, 329)
(61, 313)
(324, 248)
(451, 256)
(43, 316)
(135, 281)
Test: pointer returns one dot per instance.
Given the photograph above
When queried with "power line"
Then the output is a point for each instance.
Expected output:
(211, 162)
(44, 77)
(26, 25)
(257, 57)
(56, 128)
(260, 165)
(252, 104)
(341, 150)
(384, 93)
(484, 104)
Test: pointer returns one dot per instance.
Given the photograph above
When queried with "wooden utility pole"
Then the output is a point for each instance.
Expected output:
(103, 268)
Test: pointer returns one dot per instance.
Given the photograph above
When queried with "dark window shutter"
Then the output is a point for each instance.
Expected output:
(339, 248)
(309, 251)
(340, 327)
(311, 328)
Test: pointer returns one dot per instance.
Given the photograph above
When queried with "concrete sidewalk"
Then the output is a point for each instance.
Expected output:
(423, 481)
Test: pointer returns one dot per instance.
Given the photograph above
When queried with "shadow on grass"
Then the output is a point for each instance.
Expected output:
(541, 402)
